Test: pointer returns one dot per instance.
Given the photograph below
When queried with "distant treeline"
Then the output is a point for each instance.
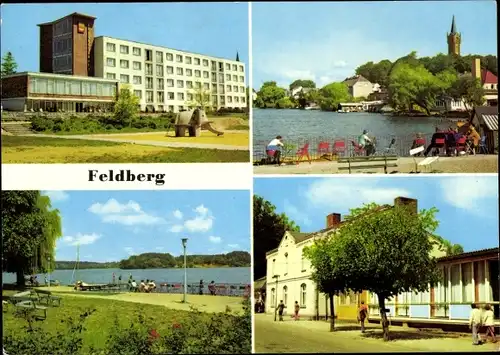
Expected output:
(164, 260)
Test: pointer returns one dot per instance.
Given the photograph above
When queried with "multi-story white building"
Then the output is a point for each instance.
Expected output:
(171, 80)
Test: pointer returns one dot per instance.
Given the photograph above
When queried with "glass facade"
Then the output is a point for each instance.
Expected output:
(73, 87)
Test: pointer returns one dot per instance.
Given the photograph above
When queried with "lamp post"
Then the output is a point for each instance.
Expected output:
(49, 274)
(276, 297)
(184, 242)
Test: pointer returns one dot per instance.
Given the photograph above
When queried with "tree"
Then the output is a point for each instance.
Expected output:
(308, 84)
(327, 277)
(268, 229)
(386, 250)
(126, 106)
(30, 229)
(9, 65)
(469, 90)
(269, 94)
(200, 98)
(332, 94)
(285, 102)
(375, 72)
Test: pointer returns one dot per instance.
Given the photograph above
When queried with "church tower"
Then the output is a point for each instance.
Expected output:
(454, 39)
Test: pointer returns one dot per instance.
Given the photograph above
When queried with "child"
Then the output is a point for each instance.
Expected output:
(475, 323)
(297, 309)
(362, 313)
(489, 322)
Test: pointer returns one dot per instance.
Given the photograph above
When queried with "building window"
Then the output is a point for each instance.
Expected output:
(222, 100)
(196, 61)
(455, 284)
(206, 86)
(136, 65)
(124, 64)
(228, 77)
(110, 76)
(149, 57)
(214, 89)
(189, 84)
(110, 62)
(180, 84)
(137, 80)
(160, 84)
(214, 65)
(189, 72)
(160, 108)
(189, 60)
(159, 70)
(149, 83)
(228, 88)
(138, 93)
(178, 58)
(214, 78)
(124, 78)
(221, 88)
(149, 96)
(303, 295)
(229, 100)
(197, 85)
(136, 51)
(273, 269)
(241, 68)
(197, 73)
(205, 62)
(170, 96)
(242, 89)
(180, 96)
(214, 100)
(286, 254)
(170, 70)
(111, 47)
(273, 298)
(235, 77)
(243, 99)
(190, 97)
(149, 69)
(159, 57)
(228, 66)
(235, 88)
(170, 83)
(123, 49)
(160, 97)
(169, 57)
(181, 108)
(242, 79)
(285, 295)
(467, 289)
(206, 75)
(235, 67)
(237, 100)
(180, 71)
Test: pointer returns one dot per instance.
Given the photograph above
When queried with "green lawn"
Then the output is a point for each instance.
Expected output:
(100, 324)
(40, 150)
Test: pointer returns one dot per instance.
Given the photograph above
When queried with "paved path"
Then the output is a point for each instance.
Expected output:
(314, 337)
(466, 164)
(143, 142)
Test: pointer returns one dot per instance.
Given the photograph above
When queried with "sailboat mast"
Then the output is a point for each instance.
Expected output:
(77, 264)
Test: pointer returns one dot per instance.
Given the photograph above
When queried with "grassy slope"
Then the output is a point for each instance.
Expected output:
(17, 149)
(100, 323)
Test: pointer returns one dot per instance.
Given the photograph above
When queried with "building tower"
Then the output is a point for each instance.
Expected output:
(66, 45)
(454, 39)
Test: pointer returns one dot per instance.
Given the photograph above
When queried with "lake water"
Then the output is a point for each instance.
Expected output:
(229, 275)
(297, 126)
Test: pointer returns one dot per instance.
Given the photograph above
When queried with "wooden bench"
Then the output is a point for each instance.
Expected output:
(360, 162)
(26, 304)
(48, 298)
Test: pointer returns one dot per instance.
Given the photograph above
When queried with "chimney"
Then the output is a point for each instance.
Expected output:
(332, 220)
(405, 201)
(476, 68)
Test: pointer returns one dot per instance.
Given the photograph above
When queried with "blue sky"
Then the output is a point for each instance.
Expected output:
(111, 225)
(217, 29)
(468, 205)
(326, 41)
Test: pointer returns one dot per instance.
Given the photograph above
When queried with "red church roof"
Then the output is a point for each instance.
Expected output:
(488, 77)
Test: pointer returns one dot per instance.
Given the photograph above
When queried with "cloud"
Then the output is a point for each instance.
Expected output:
(178, 214)
(348, 193)
(159, 248)
(215, 240)
(130, 250)
(81, 239)
(202, 222)
(129, 214)
(295, 214)
(57, 195)
(469, 192)
(233, 246)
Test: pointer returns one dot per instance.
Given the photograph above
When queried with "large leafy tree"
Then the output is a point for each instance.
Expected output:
(333, 94)
(469, 90)
(30, 229)
(268, 229)
(386, 250)
(376, 72)
(269, 94)
(9, 65)
(325, 274)
(308, 84)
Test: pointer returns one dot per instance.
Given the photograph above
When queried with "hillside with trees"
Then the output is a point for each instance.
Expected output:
(70, 265)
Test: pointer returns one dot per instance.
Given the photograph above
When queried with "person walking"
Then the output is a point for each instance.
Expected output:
(281, 308)
(362, 314)
(475, 323)
(296, 309)
(201, 287)
(489, 323)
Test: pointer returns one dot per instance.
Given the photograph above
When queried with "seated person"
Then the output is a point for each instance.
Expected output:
(435, 136)
(151, 286)
(142, 286)
(133, 286)
(275, 146)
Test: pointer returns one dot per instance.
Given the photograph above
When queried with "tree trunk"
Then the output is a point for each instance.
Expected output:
(332, 313)
(20, 278)
(383, 316)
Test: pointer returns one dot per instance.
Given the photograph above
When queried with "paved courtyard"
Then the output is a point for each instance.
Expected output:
(314, 337)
